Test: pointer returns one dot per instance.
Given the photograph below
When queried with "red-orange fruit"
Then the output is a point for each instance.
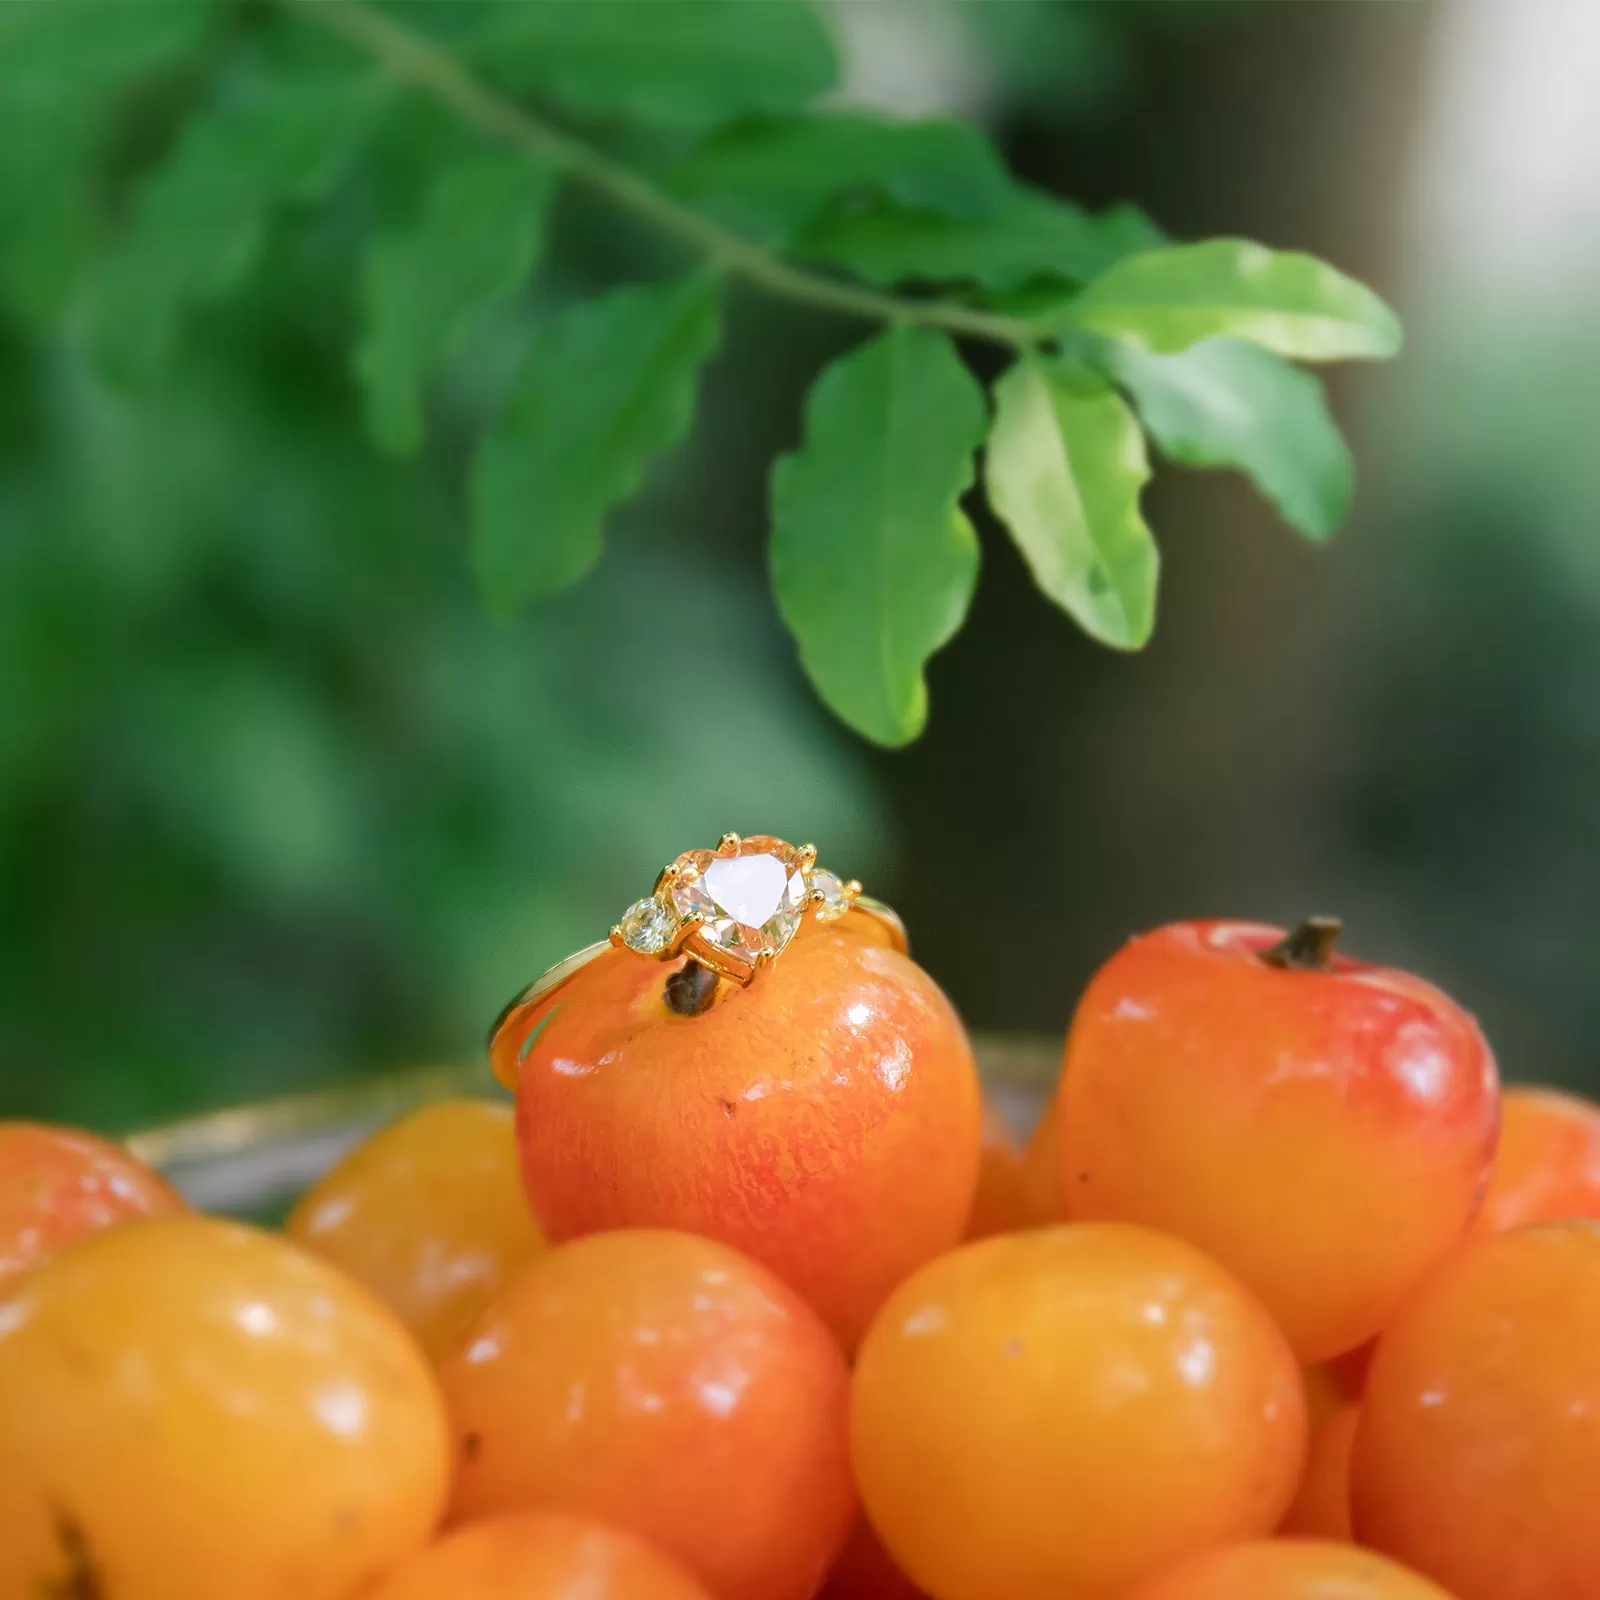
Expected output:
(1320, 1125)
(1477, 1457)
(58, 1183)
(1286, 1569)
(538, 1555)
(824, 1121)
(1051, 1414)
(669, 1385)
(1548, 1163)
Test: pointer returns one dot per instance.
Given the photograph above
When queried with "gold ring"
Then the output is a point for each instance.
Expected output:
(733, 909)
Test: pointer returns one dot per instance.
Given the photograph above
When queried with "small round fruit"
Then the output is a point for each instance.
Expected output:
(824, 1121)
(59, 1183)
(1041, 1167)
(1321, 1508)
(1002, 1202)
(667, 1384)
(1478, 1451)
(429, 1214)
(1049, 1415)
(538, 1555)
(1286, 1569)
(191, 1407)
(1548, 1164)
(1319, 1125)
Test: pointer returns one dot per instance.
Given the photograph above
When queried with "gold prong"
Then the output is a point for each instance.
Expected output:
(616, 937)
(686, 931)
(663, 877)
(728, 843)
(808, 857)
(852, 889)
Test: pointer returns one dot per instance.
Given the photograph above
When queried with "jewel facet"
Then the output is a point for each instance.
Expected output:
(647, 926)
(832, 900)
(748, 901)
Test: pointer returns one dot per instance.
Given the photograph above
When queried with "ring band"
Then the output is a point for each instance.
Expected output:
(733, 909)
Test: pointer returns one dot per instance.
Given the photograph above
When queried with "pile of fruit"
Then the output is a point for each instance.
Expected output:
(755, 1300)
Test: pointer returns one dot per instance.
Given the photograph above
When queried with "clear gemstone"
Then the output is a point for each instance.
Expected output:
(647, 926)
(748, 903)
(832, 900)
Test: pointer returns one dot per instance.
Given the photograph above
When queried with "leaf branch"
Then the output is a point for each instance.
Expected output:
(411, 59)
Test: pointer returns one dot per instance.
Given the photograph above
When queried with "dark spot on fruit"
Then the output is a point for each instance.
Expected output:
(471, 1446)
(1083, 1177)
(1013, 1347)
(729, 1107)
(81, 1578)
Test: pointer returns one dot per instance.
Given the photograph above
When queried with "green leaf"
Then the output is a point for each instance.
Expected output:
(771, 179)
(1065, 466)
(1292, 304)
(202, 213)
(1033, 235)
(607, 386)
(80, 48)
(873, 562)
(422, 286)
(1222, 403)
(62, 67)
(688, 64)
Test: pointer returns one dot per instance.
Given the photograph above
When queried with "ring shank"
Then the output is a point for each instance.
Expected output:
(554, 978)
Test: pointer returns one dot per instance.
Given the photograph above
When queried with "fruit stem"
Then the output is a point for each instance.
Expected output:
(691, 989)
(1308, 948)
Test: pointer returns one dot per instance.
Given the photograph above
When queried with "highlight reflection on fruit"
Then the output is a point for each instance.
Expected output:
(1050, 1415)
(824, 1121)
(57, 1184)
(669, 1385)
(195, 1408)
(429, 1214)
(1320, 1125)
(1478, 1451)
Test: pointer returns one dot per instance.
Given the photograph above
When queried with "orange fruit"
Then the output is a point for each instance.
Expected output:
(1477, 1456)
(429, 1214)
(669, 1385)
(1547, 1165)
(1049, 1415)
(194, 1408)
(538, 1555)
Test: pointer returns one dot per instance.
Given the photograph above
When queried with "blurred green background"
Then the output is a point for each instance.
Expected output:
(280, 806)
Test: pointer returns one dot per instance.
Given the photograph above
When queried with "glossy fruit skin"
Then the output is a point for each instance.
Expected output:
(207, 1411)
(824, 1121)
(1322, 1134)
(59, 1183)
(1547, 1165)
(1477, 1458)
(667, 1384)
(429, 1214)
(538, 1555)
(1049, 1415)
(1286, 1569)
